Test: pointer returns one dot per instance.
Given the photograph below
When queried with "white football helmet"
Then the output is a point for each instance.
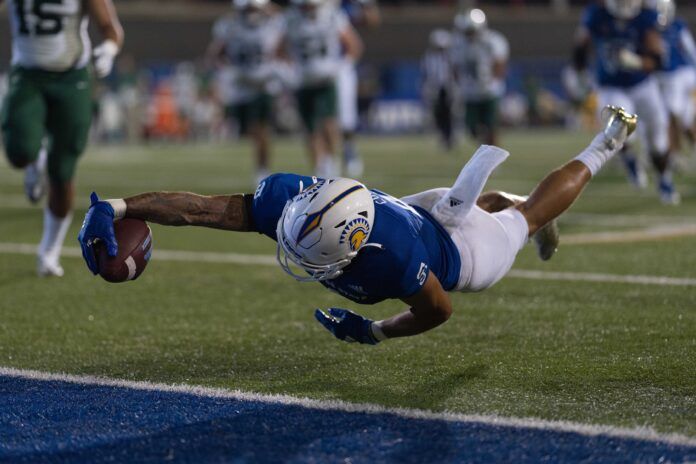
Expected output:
(471, 21)
(624, 9)
(440, 38)
(666, 10)
(322, 229)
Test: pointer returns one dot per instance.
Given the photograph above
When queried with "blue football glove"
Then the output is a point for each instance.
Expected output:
(98, 225)
(346, 325)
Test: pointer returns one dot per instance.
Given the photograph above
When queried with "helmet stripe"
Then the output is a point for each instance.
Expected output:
(313, 220)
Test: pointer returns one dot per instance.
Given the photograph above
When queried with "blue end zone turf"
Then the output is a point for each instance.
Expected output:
(55, 421)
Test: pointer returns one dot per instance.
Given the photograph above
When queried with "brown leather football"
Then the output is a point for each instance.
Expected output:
(134, 239)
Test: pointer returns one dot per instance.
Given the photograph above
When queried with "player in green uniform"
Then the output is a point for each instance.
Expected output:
(248, 42)
(46, 114)
(316, 35)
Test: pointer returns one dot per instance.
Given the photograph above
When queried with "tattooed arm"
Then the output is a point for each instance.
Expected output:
(227, 212)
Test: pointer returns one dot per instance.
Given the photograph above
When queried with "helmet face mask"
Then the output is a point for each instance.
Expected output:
(624, 9)
(322, 229)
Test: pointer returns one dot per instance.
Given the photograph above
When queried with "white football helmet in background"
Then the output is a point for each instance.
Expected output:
(471, 21)
(624, 9)
(244, 4)
(666, 10)
(440, 38)
(322, 229)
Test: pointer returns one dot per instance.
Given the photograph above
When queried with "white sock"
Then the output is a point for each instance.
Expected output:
(326, 167)
(41, 159)
(597, 154)
(462, 197)
(54, 231)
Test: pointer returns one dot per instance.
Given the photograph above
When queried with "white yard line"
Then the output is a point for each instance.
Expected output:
(639, 433)
(269, 260)
(661, 232)
(603, 278)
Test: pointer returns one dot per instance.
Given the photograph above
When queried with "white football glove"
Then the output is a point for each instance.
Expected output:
(104, 56)
(630, 61)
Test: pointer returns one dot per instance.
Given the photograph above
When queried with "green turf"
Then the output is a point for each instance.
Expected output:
(590, 352)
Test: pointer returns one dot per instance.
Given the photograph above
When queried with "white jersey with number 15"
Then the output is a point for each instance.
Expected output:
(49, 34)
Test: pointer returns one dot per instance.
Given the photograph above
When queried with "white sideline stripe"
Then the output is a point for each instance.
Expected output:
(629, 236)
(604, 278)
(639, 433)
(267, 260)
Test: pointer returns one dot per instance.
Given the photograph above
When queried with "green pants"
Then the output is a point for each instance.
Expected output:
(54, 104)
(316, 103)
(255, 111)
(480, 115)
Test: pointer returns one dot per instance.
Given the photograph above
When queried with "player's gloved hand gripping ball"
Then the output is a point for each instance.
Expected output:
(349, 326)
(98, 225)
(117, 251)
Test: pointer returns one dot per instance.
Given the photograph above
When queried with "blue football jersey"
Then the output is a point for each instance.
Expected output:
(412, 243)
(610, 35)
(674, 45)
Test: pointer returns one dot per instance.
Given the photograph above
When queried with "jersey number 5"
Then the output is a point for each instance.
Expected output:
(48, 22)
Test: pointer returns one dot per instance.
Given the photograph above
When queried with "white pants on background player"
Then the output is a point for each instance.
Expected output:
(646, 100)
(347, 84)
(678, 88)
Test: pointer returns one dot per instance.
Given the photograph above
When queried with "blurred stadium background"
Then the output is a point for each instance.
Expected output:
(162, 67)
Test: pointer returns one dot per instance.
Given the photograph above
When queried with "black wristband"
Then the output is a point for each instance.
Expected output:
(248, 208)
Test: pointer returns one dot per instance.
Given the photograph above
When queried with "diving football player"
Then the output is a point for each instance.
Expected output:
(369, 246)
(628, 49)
(47, 111)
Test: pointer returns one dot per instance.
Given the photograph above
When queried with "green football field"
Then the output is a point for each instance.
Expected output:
(604, 334)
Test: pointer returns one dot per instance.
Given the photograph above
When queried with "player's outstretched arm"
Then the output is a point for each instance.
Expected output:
(430, 307)
(227, 212)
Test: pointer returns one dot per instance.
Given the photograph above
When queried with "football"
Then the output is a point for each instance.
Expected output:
(134, 239)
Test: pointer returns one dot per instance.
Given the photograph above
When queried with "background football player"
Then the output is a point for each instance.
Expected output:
(369, 246)
(248, 40)
(316, 37)
(49, 102)
(678, 75)
(628, 50)
(480, 57)
(360, 13)
(438, 85)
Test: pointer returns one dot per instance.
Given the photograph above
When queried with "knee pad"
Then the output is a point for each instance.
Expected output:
(20, 152)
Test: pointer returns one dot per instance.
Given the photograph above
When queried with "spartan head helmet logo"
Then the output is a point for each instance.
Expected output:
(355, 233)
